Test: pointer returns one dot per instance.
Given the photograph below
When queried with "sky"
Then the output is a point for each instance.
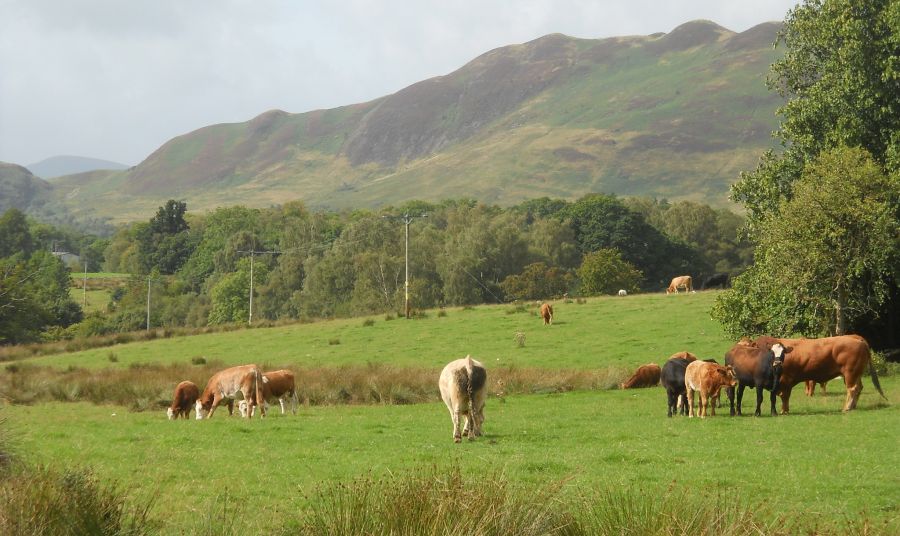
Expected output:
(115, 79)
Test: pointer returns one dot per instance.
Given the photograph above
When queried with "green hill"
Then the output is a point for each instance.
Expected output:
(674, 115)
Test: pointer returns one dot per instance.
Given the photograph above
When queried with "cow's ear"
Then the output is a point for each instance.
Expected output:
(788, 349)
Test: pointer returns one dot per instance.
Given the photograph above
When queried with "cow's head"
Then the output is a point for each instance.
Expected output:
(727, 373)
(170, 413)
(244, 408)
(779, 351)
(202, 411)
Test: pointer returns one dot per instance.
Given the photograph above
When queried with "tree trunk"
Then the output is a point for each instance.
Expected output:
(840, 317)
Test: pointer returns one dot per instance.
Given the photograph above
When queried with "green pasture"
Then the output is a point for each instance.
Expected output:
(601, 333)
(90, 300)
(818, 462)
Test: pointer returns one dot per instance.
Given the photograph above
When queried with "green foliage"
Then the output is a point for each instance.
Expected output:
(605, 272)
(230, 296)
(164, 243)
(15, 237)
(828, 258)
(537, 281)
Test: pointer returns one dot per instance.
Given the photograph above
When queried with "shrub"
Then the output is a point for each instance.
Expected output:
(368, 322)
(333, 342)
(442, 313)
(198, 360)
(113, 357)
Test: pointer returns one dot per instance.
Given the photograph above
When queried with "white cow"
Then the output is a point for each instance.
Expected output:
(225, 385)
(277, 385)
(462, 385)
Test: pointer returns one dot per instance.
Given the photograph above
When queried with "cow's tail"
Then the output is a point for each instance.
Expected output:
(258, 391)
(875, 382)
(469, 389)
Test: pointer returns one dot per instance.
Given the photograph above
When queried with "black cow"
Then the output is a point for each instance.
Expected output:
(715, 281)
(672, 379)
(757, 368)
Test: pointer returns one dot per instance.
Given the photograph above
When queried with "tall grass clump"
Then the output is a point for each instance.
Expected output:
(41, 501)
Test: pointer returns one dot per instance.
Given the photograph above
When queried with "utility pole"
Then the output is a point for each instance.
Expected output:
(406, 219)
(84, 288)
(252, 252)
(148, 302)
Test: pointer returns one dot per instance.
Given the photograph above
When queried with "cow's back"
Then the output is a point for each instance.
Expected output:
(823, 359)
(672, 374)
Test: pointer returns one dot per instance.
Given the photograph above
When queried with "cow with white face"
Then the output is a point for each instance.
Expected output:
(278, 385)
(241, 383)
(463, 388)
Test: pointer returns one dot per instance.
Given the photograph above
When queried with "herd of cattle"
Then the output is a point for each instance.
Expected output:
(764, 364)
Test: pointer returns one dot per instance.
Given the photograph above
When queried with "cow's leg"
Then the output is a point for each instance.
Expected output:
(704, 400)
(713, 400)
(217, 399)
(454, 416)
(689, 394)
(786, 399)
(853, 391)
(759, 396)
(281, 401)
(810, 387)
(822, 385)
(740, 397)
(670, 402)
(230, 404)
(772, 396)
(294, 402)
(730, 393)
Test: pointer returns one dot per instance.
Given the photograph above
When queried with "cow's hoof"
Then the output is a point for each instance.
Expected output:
(457, 439)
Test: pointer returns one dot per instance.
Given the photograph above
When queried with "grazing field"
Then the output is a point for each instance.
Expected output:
(817, 465)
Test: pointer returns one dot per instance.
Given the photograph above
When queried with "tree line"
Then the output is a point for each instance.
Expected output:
(307, 264)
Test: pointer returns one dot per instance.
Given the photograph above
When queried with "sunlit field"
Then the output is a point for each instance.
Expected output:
(817, 464)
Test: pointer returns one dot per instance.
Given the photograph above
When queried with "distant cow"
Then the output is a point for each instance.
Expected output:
(758, 368)
(820, 360)
(682, 281)
(278, 385)
(672, 378)
(547, 313)
(225, 386)
(715, 281)
(708, 379)
(186, 394)
(462, 384)
(645, 376)
(623, 292)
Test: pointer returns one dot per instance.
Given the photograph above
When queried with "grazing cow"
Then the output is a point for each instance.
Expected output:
(820, 360)
(547, 313)
(758, 368)
(707, 378)
(715, 281)
(277, 385)
(672, 378)
(623, 292)
(462, 384)
(682, 281)
(226, 384)
(645, 376)
(186, 394)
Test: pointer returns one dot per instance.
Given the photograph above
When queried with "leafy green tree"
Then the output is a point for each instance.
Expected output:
(605, 272)
(840, 75)
(537, 281)
(230, 296)
(830, 255)
(214, 231)
(34, 295)
(14, 234)
(164, 243)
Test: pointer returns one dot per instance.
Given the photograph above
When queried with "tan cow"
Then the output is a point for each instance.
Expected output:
(682, 281)
(707, 378)
(821, 360)
(186, 395)
(277, 385)
(463, 389)
(547, 313)
(225, 385)
(644, 376)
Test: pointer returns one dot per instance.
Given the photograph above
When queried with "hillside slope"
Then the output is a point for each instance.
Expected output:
(674, 115)
(57, 166)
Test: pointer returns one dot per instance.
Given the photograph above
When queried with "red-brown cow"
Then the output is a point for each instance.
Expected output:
(277, 385)
(707, 378)
(226, 384)
(820, 360)
(547, 313)
(682, 281)
(186, 394)
(644, 376)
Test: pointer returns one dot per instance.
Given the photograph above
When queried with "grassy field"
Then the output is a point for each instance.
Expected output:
(816, 464)
(90, 300)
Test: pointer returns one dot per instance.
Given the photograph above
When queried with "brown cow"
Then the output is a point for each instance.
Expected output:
(707, 378)
(547, 313)
(277, 385)
(645, 376)
(822, 359)
(186, 394)
(226, 384)
(682, 281)
(811, 387)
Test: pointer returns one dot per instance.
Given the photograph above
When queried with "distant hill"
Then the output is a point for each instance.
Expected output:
(56, 166)
(20, 189)
(674, 115)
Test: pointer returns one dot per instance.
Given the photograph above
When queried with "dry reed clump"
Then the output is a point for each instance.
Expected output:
(39, 501)
(443, 501)
(148, 386)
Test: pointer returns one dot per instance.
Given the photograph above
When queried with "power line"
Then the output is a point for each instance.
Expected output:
(406, 219)
(252, 253)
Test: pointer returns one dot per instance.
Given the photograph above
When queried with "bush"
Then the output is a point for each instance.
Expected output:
(368, 322)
